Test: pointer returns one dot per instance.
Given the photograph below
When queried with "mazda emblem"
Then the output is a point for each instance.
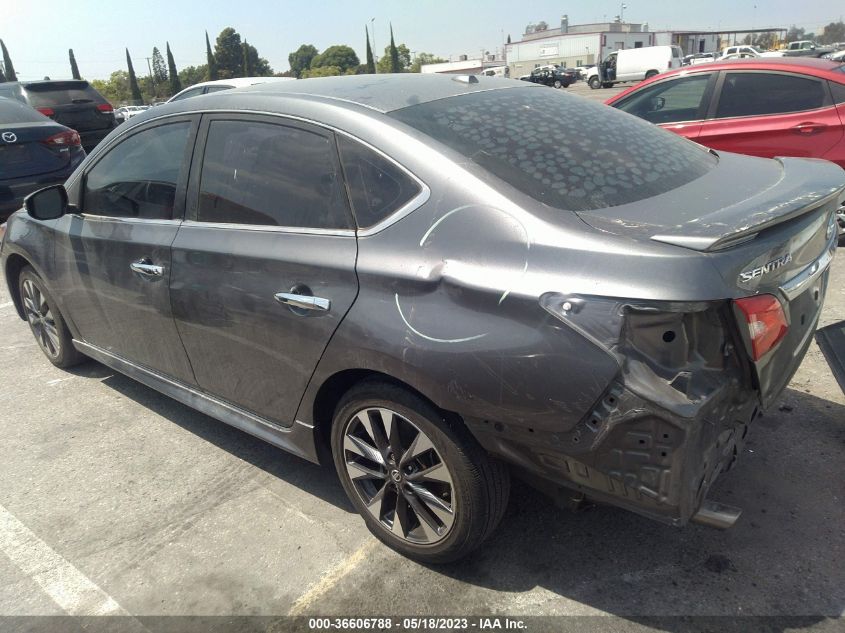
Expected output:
(9, 137)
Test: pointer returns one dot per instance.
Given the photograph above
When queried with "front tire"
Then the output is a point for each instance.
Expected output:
(594, 83)
(650, 74)
(557, 84)
(46, 322)
(422, 483)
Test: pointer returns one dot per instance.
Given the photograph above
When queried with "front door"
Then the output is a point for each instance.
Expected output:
(114, 257)
(264, 266)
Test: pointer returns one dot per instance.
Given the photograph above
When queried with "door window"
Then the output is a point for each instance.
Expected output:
(194, 92)
(669, 101)
(138, 177)
(377, 187)
(269, 174)
(757, 94)
(211, 89)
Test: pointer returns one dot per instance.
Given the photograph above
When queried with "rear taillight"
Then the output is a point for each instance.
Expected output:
(766, 323)
(46, 111)
(64, 139)
(105, 107)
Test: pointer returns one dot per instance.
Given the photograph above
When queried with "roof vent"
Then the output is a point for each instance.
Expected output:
(466, 79)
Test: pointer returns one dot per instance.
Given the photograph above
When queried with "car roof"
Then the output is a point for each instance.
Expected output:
(238, 82)
(387, 92)
(808, 65)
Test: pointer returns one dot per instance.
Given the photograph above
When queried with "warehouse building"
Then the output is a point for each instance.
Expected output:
(585, 44)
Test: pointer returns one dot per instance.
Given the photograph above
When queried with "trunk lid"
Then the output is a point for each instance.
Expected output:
(28, 155)
(768, 227)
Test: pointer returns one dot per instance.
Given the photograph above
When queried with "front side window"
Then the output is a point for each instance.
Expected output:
(269, 174)
(758, 94)
(565, 152)
(211, 89)
(377, 187)
(138, 177)
(669, 101)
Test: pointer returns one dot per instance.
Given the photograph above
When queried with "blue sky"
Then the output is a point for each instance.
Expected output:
(39, 32)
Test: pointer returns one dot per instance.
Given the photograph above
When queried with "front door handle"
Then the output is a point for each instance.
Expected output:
(146, 268)
(303, 302)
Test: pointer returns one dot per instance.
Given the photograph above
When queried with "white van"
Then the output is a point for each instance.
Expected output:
(634, 64)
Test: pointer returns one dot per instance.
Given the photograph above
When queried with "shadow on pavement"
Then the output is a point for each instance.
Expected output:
(319, 481)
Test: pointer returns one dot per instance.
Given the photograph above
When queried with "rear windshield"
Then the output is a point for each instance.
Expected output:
(562, 150)
(16, 112)
(53, 93)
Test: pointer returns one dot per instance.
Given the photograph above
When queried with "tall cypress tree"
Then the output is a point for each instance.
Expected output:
(212, 63)
(395, 66)
(371, 64)
(2, 76)
(74, 69)
(7, 63)
(133, 82)
(249, 66)
(175, 84)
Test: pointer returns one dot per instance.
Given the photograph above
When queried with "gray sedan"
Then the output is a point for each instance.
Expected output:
(430, 283)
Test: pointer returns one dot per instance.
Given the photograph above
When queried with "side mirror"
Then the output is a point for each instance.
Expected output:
(48, 203)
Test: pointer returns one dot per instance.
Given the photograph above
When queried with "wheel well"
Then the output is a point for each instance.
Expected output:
(14, 264)
(333, 390)
(652, 72)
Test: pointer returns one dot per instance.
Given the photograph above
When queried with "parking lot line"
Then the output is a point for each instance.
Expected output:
(68, 587)
(331, 578)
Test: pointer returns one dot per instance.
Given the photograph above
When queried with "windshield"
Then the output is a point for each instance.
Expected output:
(563, 151)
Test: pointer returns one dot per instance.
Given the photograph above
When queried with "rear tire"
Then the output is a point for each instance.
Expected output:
(421, 482)
(46, 322)
(650, 74)
(557, 84)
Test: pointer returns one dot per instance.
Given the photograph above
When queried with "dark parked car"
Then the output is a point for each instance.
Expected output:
(34, 152)
(399, 274)
(554, 77)
(74, 103)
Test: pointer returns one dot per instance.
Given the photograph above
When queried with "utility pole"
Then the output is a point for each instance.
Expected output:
(622, 8)
(152, 79)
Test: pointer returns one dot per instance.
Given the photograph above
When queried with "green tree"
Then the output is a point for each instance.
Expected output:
(247, 62)
(794, 33)
(2, 76)
(509, 38)
(228, 52)
(395, 65)
(134, 89)
(11, 75)
(159, 67)
(322, 71)
(175, 84)
(300, 60)
(191, 75)
(211, 62)
(116, 88)
(385, 64)
(425, 58)
(74, 69)
(339, 55)
(371, 65)
(832, 33)
(260, 66)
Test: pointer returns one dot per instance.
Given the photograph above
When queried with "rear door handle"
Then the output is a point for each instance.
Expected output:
(147, 268)
(303, 302)
(809, 129)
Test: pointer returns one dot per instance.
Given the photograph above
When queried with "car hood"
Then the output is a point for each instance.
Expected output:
(739, 197)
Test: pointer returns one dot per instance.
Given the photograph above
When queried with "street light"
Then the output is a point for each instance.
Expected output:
(622, 12)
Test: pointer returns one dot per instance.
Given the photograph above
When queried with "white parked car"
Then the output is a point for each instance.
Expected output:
(124, 113)
(207, 87)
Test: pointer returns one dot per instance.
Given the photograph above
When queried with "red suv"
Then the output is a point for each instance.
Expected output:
(762, 107)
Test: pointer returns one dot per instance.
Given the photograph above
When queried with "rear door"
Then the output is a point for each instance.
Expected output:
(264, 266)
(762, 113)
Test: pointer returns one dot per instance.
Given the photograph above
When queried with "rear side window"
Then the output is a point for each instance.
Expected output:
(188, 94)
(211, 89)
(563, 151)
(17, 112)
(838, 91)
(377, 187)
(756, 94)
(269, 174)
(138, 177)
(53, 93)
(669, 101)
